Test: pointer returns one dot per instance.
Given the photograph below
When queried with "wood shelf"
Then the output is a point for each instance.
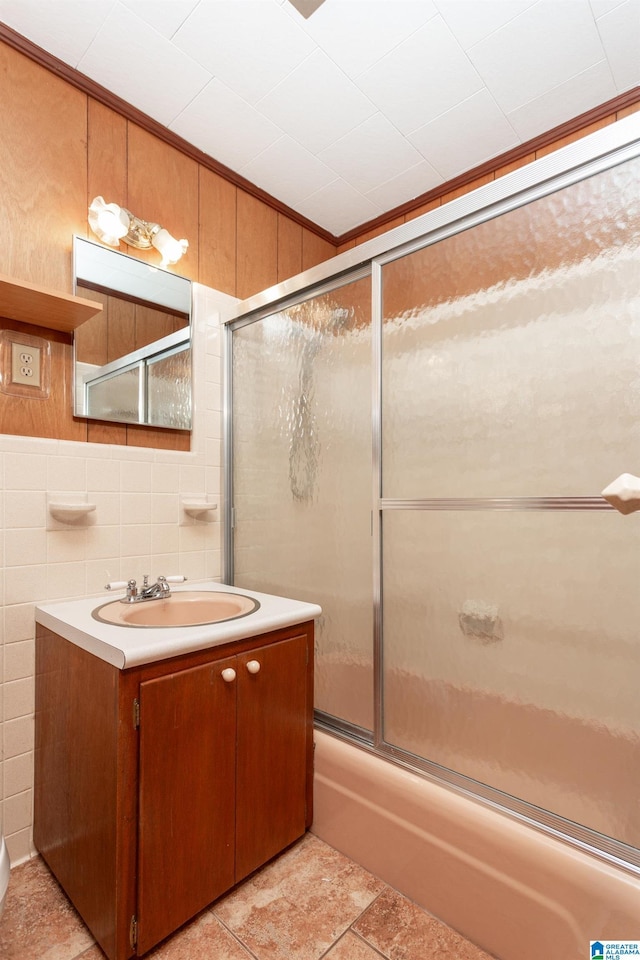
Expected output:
(29, 303)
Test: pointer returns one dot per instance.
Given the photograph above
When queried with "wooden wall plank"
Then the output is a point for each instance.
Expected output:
(163, 188)
(106, 158)
(289, 248)
(315, 250)
(158, 437)
(92, 336)
(43, 174)
(218, 234)
(52, 417)
(99, 431)
(257, 264)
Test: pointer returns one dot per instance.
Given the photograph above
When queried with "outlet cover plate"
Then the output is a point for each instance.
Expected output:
(25, 365)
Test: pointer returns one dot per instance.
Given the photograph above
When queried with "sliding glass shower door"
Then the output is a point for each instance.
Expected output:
(419, 445)
(302, 478)
(511, 599)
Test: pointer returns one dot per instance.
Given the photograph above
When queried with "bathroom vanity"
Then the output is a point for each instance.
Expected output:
(170, 762)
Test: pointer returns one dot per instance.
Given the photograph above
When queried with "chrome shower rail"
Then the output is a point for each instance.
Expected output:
(496, 503)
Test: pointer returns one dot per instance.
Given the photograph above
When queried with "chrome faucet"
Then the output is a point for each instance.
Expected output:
(148, 591)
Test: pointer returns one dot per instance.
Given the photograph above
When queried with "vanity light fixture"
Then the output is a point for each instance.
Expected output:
(112, 223)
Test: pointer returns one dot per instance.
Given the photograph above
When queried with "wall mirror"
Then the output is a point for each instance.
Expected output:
(132, 363)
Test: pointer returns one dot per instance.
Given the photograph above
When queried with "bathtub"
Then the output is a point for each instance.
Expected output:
(507, 887)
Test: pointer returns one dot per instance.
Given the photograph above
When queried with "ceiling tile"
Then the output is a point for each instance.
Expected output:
(65, 28)
(338, 207)
(316, 104)
(350, 156)
(463, 138)
(620, 34)
(600, 7)
(564, 102)
(409, 184)
(165, 17)
(356, 35)
(471, 21)
(225, 126)
(421, 78)
(125, 40)
(288, 171)
(251, 46)
(350, 94)
(538, 50)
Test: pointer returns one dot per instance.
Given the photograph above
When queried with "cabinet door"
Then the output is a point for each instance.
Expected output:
(272, 745)
(186, 798)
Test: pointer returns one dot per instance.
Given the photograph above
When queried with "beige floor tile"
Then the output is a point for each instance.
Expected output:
(203, 939)
(298, 906)
(38, 922)
(310, 903)
(402, 931)
(351, 947)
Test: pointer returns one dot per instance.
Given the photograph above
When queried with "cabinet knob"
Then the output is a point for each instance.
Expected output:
(228, 675)
(253, 666)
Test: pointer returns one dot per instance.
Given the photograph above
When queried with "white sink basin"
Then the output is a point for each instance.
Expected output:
(188, 608)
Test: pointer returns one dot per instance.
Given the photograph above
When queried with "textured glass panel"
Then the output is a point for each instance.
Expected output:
(512, 655)
(302, 478)
(511, 351)
(169, 390)
(117, 397)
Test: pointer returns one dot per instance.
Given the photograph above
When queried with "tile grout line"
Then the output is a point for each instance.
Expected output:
(355, 933)
(362, 939)
(211, 910)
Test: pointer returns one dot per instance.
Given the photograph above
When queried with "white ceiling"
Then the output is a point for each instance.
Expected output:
(362, 106)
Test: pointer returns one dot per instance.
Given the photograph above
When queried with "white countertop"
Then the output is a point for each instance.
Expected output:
(132, 646)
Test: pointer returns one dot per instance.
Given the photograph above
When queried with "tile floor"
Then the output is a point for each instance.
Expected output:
(310, 903)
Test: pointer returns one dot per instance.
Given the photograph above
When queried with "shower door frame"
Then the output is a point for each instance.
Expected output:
(587, 157)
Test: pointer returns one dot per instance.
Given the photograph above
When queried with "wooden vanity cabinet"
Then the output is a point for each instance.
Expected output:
(159, 787)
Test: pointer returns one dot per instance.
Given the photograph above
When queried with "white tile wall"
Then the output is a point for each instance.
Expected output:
(137, 528)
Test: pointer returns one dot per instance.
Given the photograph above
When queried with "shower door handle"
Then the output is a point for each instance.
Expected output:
(624, 493)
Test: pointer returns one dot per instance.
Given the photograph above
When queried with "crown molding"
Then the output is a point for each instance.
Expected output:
(129, 112)
(125, 109)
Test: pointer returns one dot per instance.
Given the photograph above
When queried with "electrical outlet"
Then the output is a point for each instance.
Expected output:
(25, 364)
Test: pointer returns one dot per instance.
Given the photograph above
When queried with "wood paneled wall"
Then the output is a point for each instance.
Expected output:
(58, 149)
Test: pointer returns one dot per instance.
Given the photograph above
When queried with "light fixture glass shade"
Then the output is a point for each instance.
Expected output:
(112, 223)
(168, 247)
(109, 222)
